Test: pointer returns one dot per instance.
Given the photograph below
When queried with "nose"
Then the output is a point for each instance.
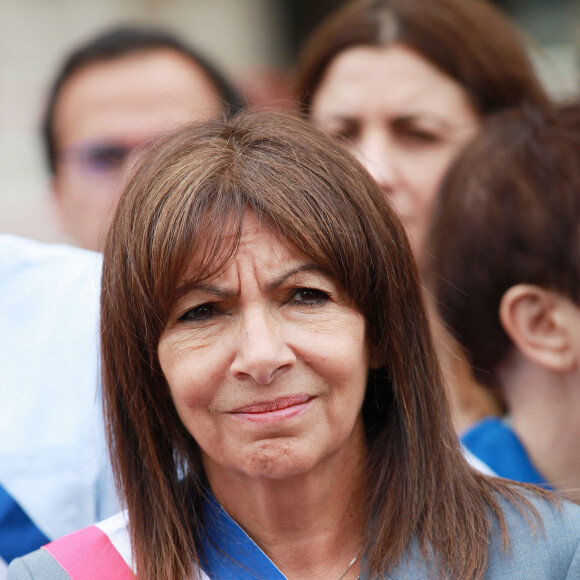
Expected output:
(376, 155)
(261, 352)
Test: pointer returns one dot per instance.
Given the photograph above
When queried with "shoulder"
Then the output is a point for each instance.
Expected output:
(99, 551)
(39, 564)
(16, 250)
(102, 549)
(547, 548)
(52, 443)
(47, 280)
(494, 442)
(22, 259)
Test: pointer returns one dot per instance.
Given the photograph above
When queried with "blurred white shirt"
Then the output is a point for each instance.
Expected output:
(53, 459)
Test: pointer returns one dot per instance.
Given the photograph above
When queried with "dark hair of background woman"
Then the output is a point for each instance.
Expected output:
(468, 40)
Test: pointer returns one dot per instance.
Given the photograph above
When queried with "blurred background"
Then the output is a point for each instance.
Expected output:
(254, 41)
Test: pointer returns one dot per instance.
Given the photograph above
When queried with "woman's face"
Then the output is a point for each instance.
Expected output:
(267, 364)
(404, 120)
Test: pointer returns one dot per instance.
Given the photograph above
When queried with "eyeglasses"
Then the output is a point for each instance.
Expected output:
(97, 160)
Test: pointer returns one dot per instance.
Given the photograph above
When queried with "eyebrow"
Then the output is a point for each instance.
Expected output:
(219, 292)
(308, 267)
(403, 118)
(189, 286)
(339, 117)
(408, 118)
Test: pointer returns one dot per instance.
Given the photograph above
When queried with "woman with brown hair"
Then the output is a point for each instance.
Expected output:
(272, 395)
(406, 84)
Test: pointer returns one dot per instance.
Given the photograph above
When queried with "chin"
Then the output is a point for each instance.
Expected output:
(277, 459)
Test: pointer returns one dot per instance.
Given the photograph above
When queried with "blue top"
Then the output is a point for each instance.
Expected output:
(494, 442)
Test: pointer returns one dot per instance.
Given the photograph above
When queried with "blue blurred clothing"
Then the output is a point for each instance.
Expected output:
(494, 442)
(19, 533)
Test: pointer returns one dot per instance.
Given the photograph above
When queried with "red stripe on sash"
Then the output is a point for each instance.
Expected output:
(89, 555)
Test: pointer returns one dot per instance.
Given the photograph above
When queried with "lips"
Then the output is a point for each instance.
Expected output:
(273, 411)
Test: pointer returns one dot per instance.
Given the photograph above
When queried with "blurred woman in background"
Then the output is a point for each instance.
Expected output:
(406, 84)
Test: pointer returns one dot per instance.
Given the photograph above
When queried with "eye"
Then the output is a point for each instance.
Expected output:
(309, 296)
(200, 313)
(409, 131)
(345, 135)
(420, 135)
(105, 158)
(346, 130)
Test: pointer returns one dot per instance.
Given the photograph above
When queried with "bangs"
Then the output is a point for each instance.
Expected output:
(206, 228)
(201, 244)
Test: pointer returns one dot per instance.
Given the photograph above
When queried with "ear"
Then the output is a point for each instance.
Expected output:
(535, 321)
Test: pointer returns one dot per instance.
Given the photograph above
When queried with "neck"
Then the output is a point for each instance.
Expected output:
(544, 406)
(311, 525)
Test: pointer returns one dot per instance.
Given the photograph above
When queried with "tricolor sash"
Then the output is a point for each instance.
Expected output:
(104, 550)
(97, 552)
(229, 553)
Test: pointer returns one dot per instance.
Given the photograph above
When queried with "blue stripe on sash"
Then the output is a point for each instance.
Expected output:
(18, 533)
(229, 553)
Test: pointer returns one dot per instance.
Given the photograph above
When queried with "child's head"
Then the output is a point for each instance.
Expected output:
(504, 241)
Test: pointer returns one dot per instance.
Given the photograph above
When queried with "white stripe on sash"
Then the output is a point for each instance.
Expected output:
(116, 530)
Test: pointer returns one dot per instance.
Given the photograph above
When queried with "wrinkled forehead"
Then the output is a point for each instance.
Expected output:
(252, 241)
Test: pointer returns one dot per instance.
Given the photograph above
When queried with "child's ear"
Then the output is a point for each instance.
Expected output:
(535, 320)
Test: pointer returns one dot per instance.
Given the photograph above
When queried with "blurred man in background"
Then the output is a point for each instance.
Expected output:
(112, 95)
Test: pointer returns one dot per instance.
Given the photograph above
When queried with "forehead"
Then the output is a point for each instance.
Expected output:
(133, 98)
(258, 248)
(387, 80)
(259, 239)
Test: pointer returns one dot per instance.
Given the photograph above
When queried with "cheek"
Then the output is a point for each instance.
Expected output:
(342, 360)
(190, 377)
(192, 399)
(424, 175)
(436, 163)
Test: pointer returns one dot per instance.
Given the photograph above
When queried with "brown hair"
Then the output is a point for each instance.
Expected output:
(508, 213)
(468, 40)
(190, 190)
